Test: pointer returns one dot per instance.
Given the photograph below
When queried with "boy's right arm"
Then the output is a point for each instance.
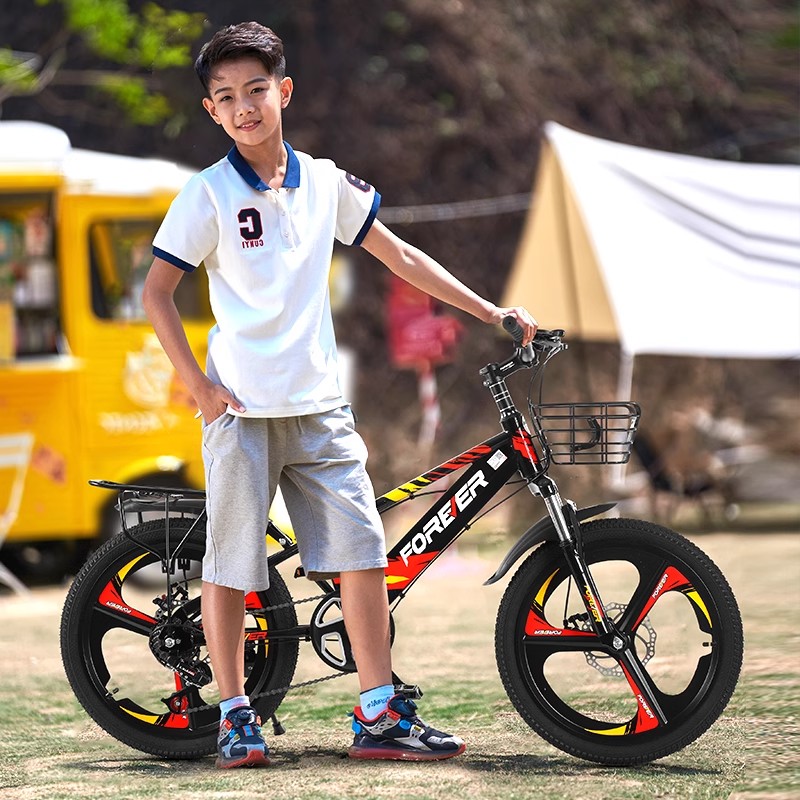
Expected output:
(158, 299)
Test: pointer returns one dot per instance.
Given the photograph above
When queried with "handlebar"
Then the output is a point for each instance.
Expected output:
(541, 341)
(547, 343)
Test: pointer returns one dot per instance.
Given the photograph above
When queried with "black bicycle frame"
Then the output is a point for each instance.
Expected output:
(487, 467)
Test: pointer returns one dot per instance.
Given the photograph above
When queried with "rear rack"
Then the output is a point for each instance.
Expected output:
(136, 498)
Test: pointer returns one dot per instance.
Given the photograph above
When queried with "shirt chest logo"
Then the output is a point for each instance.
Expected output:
(251, 228)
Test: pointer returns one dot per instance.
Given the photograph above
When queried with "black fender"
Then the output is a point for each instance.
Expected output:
(542, 531)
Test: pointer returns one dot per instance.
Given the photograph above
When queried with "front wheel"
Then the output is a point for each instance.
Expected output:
(134, 649)
(667, 598)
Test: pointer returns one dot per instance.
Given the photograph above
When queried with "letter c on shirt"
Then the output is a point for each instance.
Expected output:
(253, 228)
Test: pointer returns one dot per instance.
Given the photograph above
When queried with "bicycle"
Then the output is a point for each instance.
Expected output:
(577, 627)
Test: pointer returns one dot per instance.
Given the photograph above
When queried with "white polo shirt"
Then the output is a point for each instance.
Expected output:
(268, 253)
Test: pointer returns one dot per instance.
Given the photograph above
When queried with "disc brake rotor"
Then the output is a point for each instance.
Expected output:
(645, 643)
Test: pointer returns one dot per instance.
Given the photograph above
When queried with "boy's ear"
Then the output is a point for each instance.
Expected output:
(208, 105)
(286, 87)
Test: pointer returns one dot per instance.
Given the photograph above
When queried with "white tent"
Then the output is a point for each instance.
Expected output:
(665, 253)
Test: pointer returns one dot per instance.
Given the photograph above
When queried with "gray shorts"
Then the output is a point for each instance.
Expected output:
(319, 462)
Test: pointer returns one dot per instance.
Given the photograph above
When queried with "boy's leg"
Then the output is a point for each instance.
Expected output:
(235, 453)
(397, 733)
(332, 505)
(240, 743)
(223, 625)
(365, 607)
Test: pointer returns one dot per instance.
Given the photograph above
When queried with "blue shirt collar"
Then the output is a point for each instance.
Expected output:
(291, 180)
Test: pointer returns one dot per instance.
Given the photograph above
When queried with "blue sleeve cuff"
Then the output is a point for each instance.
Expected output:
(174, 260)
(373, 212)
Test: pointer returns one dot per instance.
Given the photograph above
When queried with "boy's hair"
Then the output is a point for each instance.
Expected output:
(245, 40)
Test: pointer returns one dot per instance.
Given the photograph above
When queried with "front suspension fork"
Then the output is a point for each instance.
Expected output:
(569, 536)
(617, 643)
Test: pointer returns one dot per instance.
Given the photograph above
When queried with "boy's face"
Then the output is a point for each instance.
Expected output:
(247, 101)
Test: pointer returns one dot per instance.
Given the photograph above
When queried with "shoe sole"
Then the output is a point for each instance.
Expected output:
(255, 758)
(386, 754)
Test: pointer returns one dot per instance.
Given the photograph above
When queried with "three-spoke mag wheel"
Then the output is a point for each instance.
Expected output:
(132, 650)
(676, 616)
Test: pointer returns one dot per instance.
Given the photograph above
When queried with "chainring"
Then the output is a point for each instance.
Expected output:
(329, 636)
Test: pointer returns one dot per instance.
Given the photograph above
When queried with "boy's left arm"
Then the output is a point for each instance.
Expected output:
(422, 271)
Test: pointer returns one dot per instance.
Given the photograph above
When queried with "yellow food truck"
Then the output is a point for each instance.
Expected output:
(85, 389)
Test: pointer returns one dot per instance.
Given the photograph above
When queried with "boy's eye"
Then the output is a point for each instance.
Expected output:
(257, 89)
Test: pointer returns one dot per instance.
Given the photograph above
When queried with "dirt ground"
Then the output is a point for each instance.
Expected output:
(450, 646)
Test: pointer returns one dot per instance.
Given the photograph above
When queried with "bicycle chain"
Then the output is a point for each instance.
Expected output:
(282, 689)
(291, 603)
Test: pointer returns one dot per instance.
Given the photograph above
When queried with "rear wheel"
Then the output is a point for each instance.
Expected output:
(667, 598)
(135, 654)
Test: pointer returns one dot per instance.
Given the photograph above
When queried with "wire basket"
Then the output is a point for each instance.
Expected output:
(586, 433)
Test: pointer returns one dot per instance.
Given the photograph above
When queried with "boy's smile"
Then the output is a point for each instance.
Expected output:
(247, 102)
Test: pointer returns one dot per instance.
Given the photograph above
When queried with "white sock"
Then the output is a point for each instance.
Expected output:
(232, 702)
(374, 701)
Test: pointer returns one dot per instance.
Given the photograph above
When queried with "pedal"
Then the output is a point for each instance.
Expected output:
(408, 690)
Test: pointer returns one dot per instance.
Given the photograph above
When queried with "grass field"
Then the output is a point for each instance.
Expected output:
(49, 749)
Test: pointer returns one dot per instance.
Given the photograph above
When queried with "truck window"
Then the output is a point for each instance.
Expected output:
(29, 318)
(121, 254)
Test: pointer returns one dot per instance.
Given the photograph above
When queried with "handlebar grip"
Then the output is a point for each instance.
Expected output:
(514, 329)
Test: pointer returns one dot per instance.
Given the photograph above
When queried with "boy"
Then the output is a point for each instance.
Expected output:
(263, 221)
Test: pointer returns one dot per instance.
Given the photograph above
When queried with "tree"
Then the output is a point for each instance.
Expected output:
(133, 44)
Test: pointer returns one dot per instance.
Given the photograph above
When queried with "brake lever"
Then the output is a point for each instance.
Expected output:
(527, 354)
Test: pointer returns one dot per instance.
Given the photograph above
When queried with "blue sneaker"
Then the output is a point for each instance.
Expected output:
(399, 734)
(240, 743)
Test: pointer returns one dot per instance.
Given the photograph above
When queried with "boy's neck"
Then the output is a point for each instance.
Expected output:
(268, 160)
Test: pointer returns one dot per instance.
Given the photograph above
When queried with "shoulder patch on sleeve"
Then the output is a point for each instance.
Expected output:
(357, 182)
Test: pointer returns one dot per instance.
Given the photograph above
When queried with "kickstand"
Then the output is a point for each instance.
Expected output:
(277, 728)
